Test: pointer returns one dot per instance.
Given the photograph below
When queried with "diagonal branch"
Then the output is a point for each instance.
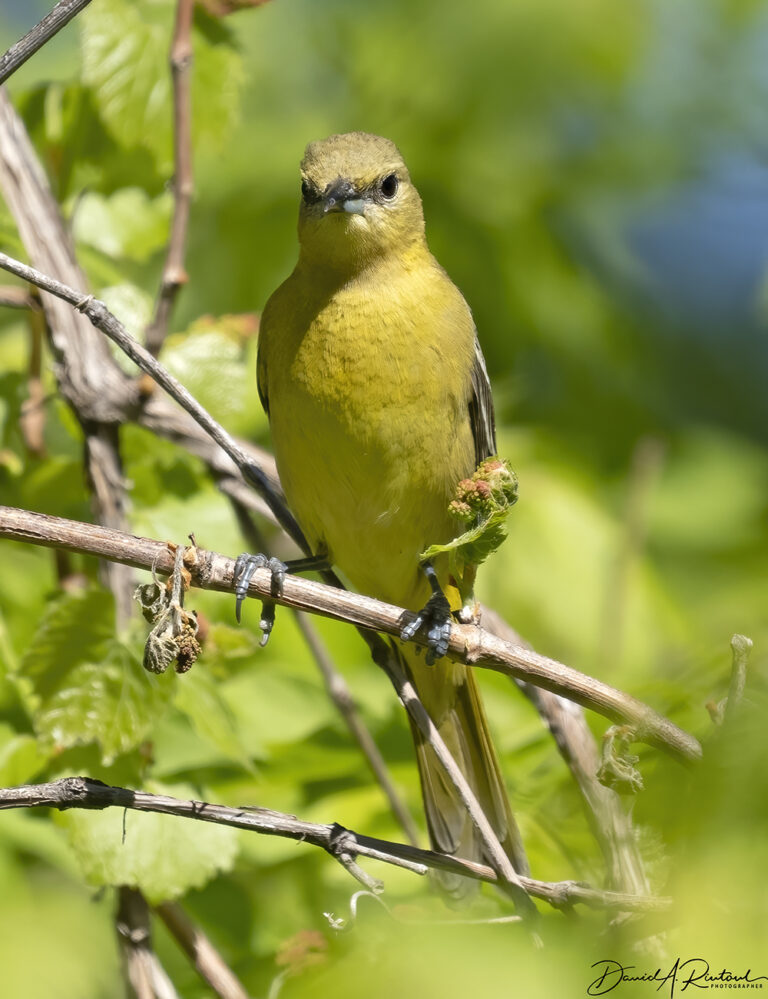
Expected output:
(145, 976)
(206, 959)
(36, 37)
(85, 792)
(469, 644)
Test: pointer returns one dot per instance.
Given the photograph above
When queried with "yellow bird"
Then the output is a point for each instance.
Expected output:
(379, 403)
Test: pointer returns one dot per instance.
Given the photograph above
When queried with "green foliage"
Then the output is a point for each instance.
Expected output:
(537, 132)
(163, 857)
(484, 502)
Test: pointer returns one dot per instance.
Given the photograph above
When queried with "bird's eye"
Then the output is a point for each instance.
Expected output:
(389, 185)
(306, 190)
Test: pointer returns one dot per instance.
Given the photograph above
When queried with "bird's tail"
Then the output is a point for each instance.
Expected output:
(450, 695)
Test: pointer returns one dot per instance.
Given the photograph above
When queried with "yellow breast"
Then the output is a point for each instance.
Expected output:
(368, 392)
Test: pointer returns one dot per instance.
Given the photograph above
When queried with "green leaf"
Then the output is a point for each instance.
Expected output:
(125, 60)
(273, 708)
(127, 223)
(113, 703)
(75, 627)
(199, 697)
(211, 365)
(21, 757)
(484, 500)
(163, 855)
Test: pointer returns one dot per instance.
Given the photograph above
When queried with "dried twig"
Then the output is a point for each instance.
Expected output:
(206, 959)
(741, 646)
(145, 976)
(469, 644)
(174, 274)
(724, 710)
(36, 37)
(84, 792)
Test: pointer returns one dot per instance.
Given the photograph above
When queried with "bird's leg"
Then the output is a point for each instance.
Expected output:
(436, 615)
(246, 565)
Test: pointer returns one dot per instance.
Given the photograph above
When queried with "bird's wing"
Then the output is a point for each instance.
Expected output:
(261, 371)
(481, 409)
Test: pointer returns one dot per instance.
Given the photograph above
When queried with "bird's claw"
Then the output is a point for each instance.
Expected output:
(245, 566)
(436, 617)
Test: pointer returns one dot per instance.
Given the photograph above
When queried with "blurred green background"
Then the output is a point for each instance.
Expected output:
(595, 180)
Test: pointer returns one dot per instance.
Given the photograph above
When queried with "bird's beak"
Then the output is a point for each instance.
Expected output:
(341, 196)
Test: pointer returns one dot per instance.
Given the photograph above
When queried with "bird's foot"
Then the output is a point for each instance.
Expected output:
(245, 566)
(435, 615)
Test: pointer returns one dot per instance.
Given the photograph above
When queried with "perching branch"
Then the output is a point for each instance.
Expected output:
(84, 792)
(469, 644)
(174, 273)
(36, 37)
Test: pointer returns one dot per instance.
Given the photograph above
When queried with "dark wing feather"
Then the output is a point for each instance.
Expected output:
(261, 379)
(481, 409)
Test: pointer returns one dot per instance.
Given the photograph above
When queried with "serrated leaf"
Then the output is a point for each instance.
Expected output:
(75, 627)
(475, 545)
(125, 60)
(163, 855)
(112, 703)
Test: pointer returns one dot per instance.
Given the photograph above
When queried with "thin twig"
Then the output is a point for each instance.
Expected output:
(469, 644)
(145, 976)
(85, 792)
(207, 961)
(36, 37)
(32, 416)
(174, 273)
(724, 710)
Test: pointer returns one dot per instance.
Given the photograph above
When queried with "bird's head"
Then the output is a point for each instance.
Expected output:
(357, 202)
